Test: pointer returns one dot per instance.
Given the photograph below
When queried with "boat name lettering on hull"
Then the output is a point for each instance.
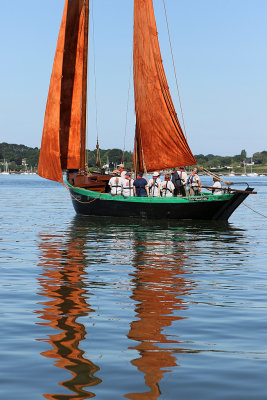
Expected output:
(198, 198)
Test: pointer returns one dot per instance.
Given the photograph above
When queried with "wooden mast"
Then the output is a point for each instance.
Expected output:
(84, 85)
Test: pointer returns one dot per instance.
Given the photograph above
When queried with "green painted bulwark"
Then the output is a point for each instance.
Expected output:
(205, 197)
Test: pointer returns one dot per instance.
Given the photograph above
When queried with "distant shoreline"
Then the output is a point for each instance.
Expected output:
(19, 158)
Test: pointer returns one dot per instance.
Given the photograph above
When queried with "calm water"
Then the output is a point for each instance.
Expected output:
(114, 309)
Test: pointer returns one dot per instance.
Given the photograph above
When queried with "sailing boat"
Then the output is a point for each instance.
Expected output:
(158, 130)
(6, 170)
(251, 173)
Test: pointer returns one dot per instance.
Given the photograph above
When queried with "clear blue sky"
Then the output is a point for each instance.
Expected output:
(220, 56)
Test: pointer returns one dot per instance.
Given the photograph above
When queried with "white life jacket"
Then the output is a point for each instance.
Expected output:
(127, 187)
(115, 184)
(123, 173)
(167, 188)
(217, 188)
(183, 176)
(154, 187)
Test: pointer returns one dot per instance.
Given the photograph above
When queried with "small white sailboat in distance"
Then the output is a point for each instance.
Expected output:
(6, 169)
(252, 173)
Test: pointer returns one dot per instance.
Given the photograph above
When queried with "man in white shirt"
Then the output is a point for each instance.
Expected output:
(216, 187)
(167, 187)
(127, 185)
(115, 184)
(194, 183)
(122, 170)
(154, 185)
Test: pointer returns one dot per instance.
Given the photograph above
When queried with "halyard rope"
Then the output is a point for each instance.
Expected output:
(206, 171)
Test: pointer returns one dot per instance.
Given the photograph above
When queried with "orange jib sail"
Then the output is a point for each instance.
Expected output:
(60, 148)
(159, 139)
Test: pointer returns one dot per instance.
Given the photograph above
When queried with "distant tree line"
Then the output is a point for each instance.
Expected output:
(215, 161)
(110, 158)
(14, 154)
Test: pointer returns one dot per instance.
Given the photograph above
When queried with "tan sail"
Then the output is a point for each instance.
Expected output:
(159, 141)
(61, 138)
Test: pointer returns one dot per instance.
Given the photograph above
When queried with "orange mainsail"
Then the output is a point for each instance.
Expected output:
(159, 139)
(61, 138)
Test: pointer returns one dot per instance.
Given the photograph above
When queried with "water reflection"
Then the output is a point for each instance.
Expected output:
(159, 260)
(62, 282)
(160, 291)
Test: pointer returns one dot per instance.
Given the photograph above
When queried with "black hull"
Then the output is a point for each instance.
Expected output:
(193, 209)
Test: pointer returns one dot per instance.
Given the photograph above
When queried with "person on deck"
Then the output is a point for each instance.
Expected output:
(167, 187)
(115, 183)
(154, 185)
(127, 185)
(216, 187)
(140, 186)
(122, 170)
(194, 183)
(179, 179)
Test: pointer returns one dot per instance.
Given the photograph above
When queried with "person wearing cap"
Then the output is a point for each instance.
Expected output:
(179, 179)
(194, 183)
(140, 186)
(167, 187)
(122, 170)
(154, 185)
(115, 183)
(127, 185)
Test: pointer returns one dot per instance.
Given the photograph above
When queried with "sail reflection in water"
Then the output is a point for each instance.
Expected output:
(155, 264)
(62, 282)
(157, 283)
(160, 287)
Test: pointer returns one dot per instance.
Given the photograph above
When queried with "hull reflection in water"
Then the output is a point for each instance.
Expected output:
(62, 283)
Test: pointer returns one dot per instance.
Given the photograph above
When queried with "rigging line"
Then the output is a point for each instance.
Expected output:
(257, 212)
(177, 86)
(206, 171)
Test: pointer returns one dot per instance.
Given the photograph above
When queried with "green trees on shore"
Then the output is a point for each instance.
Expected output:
(20, 157)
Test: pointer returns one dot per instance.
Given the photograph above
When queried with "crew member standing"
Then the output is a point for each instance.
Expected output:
(140, 186)
(194, 183)
(127, 185)
(154, 185)
(115, 183)
(179, 179)
(167, 187)
(122, 170)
